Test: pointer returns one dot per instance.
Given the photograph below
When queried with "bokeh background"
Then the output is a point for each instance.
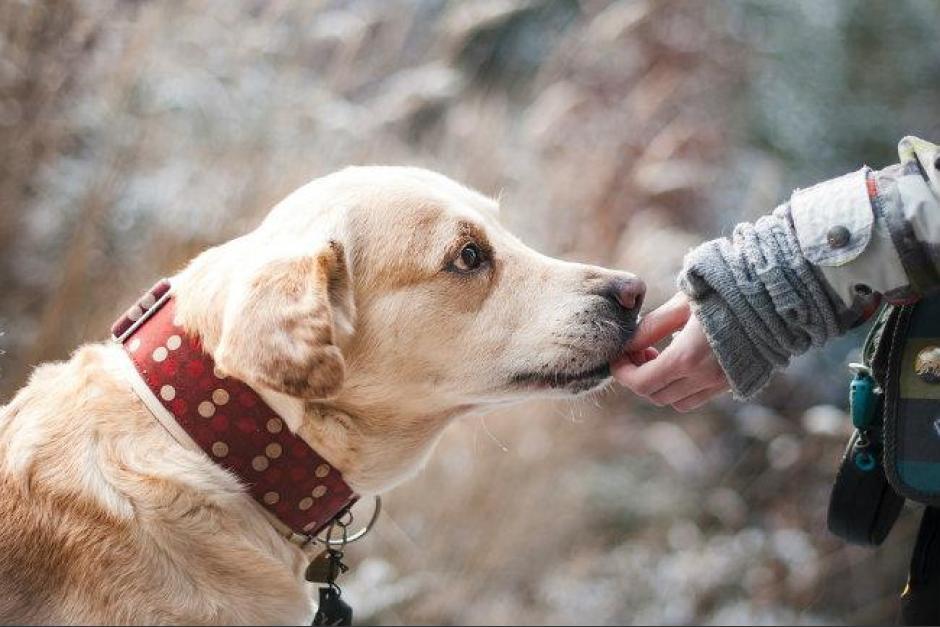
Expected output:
(135, 134)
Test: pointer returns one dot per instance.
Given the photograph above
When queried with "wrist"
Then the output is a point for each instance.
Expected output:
(746, 369)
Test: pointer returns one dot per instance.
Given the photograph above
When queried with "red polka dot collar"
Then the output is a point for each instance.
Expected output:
(227, 419)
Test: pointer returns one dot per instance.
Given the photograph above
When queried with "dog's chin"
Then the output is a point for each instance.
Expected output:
(572, 383)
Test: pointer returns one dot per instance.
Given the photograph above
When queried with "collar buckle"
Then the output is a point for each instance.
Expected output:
(141, 311)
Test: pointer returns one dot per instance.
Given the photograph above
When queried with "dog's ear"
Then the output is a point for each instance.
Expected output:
(279, 327)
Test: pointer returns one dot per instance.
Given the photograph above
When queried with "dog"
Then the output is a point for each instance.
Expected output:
(369, 309)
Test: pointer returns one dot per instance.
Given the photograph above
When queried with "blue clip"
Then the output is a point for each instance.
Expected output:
(862, 397)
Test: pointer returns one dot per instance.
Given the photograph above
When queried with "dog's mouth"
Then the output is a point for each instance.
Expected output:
(574, 382)
(584, 363)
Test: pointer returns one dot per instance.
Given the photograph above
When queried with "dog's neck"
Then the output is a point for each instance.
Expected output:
(372, 460)
(349, 431)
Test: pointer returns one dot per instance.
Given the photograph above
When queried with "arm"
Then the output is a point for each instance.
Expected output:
(817, 266)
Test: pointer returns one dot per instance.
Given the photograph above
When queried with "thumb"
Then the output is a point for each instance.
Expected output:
(661, 322)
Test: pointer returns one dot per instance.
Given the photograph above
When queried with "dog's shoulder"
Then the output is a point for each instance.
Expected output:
(53, 532)
(103, 514)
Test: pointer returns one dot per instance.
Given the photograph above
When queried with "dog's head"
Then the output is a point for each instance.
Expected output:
(392, 299)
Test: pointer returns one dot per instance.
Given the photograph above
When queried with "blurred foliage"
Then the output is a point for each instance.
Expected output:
(135, 134)
(837, 83)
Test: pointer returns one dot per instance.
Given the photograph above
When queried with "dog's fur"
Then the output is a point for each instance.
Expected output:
(349, 311)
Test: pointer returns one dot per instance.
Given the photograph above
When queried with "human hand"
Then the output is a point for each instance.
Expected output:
(686, 374)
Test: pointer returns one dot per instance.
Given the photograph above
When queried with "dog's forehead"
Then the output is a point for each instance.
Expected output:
(404, 191)
(416, 221)
(409, 201)
(380, 193)
(382, 212)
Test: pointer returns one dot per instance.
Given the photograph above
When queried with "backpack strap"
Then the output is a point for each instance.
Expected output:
(912, 401)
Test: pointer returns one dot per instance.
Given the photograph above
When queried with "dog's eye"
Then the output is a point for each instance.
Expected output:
(470, 258)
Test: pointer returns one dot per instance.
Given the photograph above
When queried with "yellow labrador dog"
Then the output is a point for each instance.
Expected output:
(369, 309)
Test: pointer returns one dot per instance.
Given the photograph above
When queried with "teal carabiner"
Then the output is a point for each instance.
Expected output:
(862, 398)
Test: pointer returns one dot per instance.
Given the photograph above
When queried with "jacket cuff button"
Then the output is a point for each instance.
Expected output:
(838, 237)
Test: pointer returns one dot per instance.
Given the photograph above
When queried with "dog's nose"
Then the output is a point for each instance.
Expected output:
(626, 291)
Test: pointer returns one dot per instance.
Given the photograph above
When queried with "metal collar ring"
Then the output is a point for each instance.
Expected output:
(327, 539)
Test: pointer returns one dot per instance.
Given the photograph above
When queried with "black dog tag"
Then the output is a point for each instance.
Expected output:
(323, 569)
(333, 610)
(863, 507)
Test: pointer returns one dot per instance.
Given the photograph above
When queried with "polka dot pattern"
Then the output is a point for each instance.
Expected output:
(206, 409)
(232, 424)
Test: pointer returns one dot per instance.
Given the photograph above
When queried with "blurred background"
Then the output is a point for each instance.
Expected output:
(134, 134)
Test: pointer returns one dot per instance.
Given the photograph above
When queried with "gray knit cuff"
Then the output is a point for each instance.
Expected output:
(759, 300)
(747, 371)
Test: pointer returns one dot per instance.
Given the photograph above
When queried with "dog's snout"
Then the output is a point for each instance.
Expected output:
(626, 292)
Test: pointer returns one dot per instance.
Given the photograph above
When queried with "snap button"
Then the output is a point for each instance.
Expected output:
(927, 365)
(839, 237)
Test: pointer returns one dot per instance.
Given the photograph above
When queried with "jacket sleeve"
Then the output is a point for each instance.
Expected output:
(818, 265)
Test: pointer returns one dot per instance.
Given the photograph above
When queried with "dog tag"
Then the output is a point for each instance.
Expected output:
(332, 610)
(323, 569)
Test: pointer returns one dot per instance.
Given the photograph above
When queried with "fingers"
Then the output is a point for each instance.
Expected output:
(685, 375)
(646, 379)
(644, 356)
(637, 358)
(679, 390)
(661, 322)
(697, 400)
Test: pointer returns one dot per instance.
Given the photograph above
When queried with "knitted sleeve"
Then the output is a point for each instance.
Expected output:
(818, 265)
(760, 301)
